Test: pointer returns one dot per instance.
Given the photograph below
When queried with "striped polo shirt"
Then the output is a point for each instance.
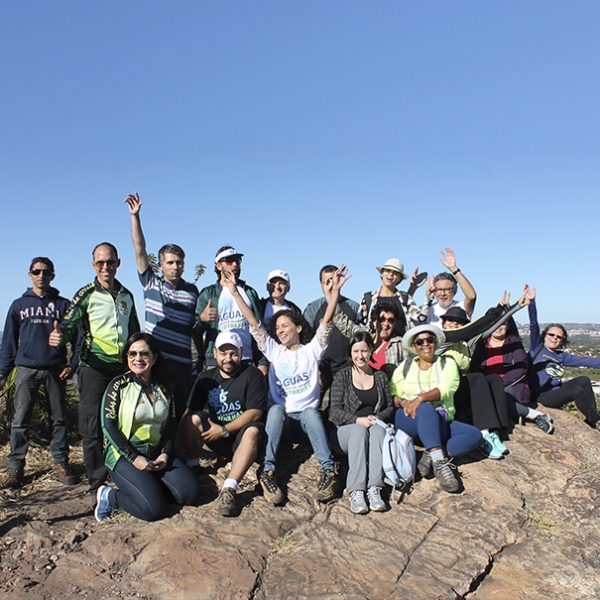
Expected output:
(170, 315)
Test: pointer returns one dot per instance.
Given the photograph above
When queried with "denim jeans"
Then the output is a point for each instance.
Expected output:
(27, 384)
(289, 425)
(433, 430)
(141, 493)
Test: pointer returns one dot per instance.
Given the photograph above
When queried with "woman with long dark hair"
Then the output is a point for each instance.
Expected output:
(138, 421)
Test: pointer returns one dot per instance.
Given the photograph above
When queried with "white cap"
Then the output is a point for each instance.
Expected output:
(226, 253)
(228, 337)
(278, 273)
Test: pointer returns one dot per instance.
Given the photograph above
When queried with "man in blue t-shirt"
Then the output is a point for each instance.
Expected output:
(170, 306)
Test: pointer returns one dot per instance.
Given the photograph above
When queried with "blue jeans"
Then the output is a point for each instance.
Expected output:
(141, 494)
(289, 425)
(27, 385)
(435, 432)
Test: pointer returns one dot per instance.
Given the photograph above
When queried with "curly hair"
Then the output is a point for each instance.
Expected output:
(296, 318)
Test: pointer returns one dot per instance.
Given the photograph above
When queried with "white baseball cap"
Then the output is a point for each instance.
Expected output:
(278, 273)
(228, 337)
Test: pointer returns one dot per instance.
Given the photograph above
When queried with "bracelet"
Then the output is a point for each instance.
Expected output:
(456, 272)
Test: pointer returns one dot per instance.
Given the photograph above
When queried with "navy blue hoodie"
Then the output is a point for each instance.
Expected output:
(29, 322)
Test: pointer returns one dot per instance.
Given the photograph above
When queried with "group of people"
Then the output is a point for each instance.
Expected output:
(269, 372)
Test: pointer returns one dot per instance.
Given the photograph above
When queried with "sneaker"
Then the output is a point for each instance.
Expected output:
(326, 486)
(487, 448)
(15, 478)
(62, 471)
(495, 439)
(226, 502)
(376, 502)
(444, 473)
(358, 504)
(271, 491)
(424, 465)
(104, 511)
(545, 423)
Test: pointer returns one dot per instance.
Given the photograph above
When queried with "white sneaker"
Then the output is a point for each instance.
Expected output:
(376, 503)
(358, 504)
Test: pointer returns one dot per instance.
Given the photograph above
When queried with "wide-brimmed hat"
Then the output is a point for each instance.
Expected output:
(393, 264)
(411, 334)
(456, 313)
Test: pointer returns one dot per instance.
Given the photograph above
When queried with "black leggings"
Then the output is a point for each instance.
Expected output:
(578, 390)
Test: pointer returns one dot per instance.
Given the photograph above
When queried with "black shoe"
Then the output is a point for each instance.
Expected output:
(63, 472)
(226, 502)
(15, 478)
(444, 473)
(271, 491)
(326, 487)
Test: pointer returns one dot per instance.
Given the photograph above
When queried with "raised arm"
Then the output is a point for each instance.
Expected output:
(137, 235)
(535, 338)
(448, 259)
(246, 310)
(332, 292)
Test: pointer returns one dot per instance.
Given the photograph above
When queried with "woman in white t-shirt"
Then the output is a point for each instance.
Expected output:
(294, 393)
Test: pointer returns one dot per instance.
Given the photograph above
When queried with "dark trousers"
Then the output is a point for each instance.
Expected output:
(480, 399)
(142, 493)
(578, 390)
(434, 431)
(27, 385)
(181, 384)
(92, 385)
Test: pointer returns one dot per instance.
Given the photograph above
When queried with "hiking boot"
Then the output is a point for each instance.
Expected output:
(358, 504)
(545, 423)
(104, 511)
(376, 502)
(444, 473)
(424, 465)
(487, 448)
(326, 487)
(494, 437)
(63, 472)
(226, 502)
(271, 491)
(15, 478)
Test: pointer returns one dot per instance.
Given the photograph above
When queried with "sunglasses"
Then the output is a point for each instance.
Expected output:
(422, 341)
(231, 260)
(111, 263)
(556, 335)
(390, 320)
(45, 272)
(145, 354)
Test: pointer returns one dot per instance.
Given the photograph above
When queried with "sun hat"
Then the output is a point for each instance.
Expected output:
(411, 334)
(393, 264)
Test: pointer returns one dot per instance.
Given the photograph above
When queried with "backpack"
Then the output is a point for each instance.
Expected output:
(399, 459)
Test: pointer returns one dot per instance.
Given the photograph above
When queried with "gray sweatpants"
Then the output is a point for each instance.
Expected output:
(363, 446)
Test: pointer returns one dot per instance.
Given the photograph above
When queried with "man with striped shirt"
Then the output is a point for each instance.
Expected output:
(170, 305)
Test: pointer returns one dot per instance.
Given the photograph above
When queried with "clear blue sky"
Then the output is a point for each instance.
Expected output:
(306, 133)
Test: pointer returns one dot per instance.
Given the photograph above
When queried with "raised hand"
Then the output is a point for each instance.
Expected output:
(530, 293)
(339, 278)
(448, 259)
(133, 201)
(505, 298)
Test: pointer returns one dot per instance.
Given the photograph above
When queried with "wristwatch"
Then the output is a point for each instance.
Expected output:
(225, 432)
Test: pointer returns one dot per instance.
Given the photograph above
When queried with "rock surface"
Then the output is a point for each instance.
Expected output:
(526, 527)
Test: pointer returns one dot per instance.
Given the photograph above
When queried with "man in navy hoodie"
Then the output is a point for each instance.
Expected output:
(29, 322)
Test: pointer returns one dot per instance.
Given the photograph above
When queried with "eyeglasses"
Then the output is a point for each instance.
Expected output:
(422, 341)
(111, 263)
(44, 272)
(144, 354)
(390, 320)
(556, 335)
(232, 259)
(450, 289)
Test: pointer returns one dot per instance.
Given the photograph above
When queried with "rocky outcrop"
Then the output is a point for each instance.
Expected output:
(526, 527)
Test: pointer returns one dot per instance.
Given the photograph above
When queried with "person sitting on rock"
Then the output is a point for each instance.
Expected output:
(423, 387)
(294, 394)
(225, 412)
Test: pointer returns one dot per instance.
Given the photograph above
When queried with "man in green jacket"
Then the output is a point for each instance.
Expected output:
(218, 311)
(105, 312)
